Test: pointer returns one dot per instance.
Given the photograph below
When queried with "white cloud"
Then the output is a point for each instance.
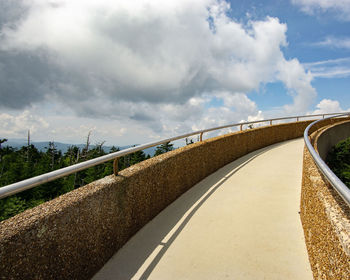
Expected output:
(328, 61)
(151, 65)
(235, 107)
(335, 42)
(341, 7)
(61, 125)
(293, 75)
(14, 126)
(328, 106)
(332, 68)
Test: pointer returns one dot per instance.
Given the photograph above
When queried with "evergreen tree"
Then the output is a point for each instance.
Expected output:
(338, 159)
(17, 165)
(189, 141)
(163, 148)
(2, 141)
(137, 157)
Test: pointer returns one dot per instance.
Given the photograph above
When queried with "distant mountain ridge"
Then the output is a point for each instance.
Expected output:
(42, 145)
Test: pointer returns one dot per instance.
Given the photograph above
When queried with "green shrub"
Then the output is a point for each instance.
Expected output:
(338, 160)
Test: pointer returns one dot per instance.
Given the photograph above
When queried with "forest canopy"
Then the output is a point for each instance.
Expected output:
(20, 164)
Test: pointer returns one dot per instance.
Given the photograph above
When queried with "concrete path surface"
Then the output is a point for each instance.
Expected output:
(241, 222)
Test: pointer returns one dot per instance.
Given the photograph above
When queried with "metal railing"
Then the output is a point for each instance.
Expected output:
(48, 177)
(336, 183)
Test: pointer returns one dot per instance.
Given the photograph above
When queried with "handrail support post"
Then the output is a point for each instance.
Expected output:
(115, 167)
(201, 137)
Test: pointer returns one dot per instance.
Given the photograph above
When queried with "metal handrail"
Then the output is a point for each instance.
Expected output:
(336, 183)
(48, 177)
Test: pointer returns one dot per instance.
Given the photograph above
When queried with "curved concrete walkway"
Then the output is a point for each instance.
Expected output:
(241, 222)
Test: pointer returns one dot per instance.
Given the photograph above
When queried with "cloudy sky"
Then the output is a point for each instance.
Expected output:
(139, 70)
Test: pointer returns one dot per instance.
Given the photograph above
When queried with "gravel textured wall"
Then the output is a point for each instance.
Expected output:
(72, 236)
(326, 222)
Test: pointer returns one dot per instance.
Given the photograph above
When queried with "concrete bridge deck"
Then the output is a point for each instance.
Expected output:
(241, 222)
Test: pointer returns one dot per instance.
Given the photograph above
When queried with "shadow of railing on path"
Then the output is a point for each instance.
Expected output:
(159, 236)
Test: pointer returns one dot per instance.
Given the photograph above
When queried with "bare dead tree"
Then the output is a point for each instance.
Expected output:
(87, 145)
(28, 144)
(99, 145)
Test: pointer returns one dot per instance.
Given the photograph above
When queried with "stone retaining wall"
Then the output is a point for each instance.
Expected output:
(72, 236)
(326, 220)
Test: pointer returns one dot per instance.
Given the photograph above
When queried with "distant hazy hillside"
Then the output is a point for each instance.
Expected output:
(18, 143)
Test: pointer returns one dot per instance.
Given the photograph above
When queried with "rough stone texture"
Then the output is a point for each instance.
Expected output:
(233, 224)
(72, 236)
(326, 222)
